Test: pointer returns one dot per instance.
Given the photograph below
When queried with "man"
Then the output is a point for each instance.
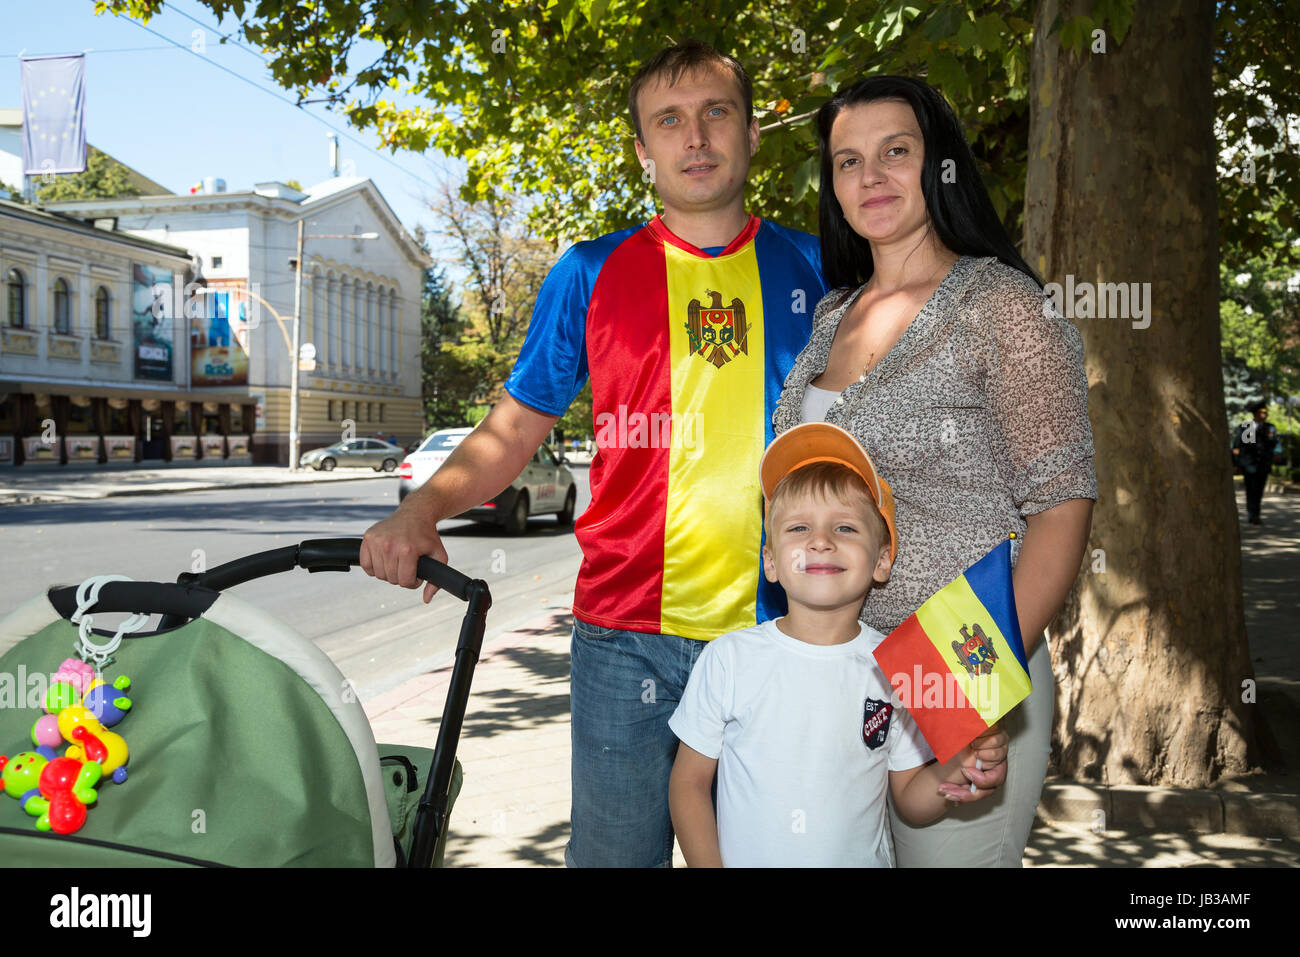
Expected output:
(686, 326)
(1256, 448)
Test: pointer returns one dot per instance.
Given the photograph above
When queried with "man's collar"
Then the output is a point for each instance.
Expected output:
(663, 233)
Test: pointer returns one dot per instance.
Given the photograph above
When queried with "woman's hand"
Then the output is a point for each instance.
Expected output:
(983, 764)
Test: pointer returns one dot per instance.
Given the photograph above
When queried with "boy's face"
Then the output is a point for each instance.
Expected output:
(696, 135)
(825, 553)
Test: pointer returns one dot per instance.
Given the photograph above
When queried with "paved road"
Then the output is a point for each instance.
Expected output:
(378, 634)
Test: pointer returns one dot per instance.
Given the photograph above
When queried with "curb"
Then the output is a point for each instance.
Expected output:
(1138, 808)
(38, 497)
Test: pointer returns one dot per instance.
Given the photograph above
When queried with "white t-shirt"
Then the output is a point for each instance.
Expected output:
(804, 736)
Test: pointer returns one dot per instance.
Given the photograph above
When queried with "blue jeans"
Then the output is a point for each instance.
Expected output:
(623, 688)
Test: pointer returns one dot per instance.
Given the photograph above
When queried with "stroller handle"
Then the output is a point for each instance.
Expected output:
(340, 554)
(319, 555)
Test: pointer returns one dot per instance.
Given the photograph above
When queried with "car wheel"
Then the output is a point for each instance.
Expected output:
(564, 518)
(517, 521)
(389, 465)
(327, 465)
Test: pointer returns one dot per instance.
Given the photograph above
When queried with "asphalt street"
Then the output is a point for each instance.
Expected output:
(377, 633)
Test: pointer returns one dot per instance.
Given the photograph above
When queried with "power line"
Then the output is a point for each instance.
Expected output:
(224, 36)
(14, 56)
(239, 76)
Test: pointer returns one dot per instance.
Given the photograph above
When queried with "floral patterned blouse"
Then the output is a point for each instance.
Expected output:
(977, 417)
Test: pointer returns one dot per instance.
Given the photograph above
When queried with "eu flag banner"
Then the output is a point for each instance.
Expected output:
(958, 663)
(54, 114)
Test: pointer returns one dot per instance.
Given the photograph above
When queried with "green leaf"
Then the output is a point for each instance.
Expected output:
(802, 177)
(992, 32)
(943, 24)
(570, 18)
(967, 37)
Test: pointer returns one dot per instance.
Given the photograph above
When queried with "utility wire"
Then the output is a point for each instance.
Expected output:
(239, 76)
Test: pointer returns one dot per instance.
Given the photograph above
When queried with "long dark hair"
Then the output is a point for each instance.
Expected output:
(960, 211)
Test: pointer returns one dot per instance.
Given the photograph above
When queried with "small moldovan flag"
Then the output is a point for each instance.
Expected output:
(958, 663)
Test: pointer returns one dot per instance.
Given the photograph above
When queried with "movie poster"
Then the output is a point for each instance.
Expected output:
(219, 337)
(151, 321)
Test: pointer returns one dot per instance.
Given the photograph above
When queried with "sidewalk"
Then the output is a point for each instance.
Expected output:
(514, 807)
(23, 486)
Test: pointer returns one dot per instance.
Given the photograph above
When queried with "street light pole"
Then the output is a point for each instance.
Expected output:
(293, 358)
(297, 335)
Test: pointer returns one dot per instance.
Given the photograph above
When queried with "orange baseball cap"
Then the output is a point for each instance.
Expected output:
(815, 442)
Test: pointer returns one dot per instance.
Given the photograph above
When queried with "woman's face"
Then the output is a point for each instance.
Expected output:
(876, 155)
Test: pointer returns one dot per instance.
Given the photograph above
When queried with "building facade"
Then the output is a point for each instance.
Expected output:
(90, 371)
(361, 332)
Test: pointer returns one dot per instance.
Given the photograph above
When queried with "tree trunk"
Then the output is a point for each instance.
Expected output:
(1150, 651)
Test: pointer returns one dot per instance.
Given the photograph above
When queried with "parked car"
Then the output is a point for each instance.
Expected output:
(355, 453)
(545, 486)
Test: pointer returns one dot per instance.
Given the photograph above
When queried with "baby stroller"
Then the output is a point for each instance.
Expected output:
(247, 745)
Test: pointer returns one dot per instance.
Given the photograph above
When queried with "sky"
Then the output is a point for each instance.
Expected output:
(173, 117)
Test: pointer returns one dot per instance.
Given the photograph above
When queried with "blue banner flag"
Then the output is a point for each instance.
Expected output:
(54, 114)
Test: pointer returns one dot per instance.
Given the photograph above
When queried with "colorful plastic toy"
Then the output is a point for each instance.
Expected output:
(109, 750)
(67, 788)
(77, 673)
(58, 790)
(109, 703)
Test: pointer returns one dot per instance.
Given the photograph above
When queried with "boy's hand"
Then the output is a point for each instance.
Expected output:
(990, 751)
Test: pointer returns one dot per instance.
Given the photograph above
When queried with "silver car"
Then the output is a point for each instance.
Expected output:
(545, 486)
(356, 453)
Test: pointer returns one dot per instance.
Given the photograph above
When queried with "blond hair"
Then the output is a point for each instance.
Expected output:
(828, 480)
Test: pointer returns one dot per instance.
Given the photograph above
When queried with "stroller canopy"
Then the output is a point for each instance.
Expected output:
(247, 747)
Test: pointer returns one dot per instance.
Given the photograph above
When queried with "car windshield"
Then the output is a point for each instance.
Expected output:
(441, 441)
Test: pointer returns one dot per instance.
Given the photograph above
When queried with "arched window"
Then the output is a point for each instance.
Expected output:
(62, 306)
(103, 313)
(17, 299)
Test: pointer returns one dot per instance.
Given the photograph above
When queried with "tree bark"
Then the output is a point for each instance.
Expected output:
(1150, 653)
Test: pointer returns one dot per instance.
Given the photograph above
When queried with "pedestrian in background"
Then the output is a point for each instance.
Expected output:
(1256, 448)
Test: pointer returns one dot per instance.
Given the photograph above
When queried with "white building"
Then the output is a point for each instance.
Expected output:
(361, 303)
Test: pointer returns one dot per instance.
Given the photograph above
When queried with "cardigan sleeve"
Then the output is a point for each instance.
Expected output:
(1039, 393)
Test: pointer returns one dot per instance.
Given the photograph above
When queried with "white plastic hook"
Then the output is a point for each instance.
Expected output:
(88, 592)
(87, 597)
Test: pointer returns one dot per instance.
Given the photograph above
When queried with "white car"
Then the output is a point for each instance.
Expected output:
(545, 486)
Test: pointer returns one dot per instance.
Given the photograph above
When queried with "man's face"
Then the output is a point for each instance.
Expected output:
(1261, 415)
(824, 552)
(696, 136)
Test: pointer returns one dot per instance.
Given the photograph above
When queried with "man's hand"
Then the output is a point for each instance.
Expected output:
(485, 462)
(391, 548)
(990, 750)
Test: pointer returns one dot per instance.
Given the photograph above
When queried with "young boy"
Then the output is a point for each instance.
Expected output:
(795, 715)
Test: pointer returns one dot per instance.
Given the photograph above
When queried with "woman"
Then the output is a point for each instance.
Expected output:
(936, 350)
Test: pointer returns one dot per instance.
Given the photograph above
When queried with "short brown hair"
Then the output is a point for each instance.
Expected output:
(826, 480)
(684, 58)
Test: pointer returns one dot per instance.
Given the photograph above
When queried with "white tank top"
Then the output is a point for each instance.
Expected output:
(816, 402)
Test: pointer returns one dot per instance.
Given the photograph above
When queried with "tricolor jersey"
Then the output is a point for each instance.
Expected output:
(687, 353)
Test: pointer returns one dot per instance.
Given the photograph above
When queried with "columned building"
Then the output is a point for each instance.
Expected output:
(360, 368)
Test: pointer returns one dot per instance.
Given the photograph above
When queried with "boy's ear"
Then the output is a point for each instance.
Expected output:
(769, 564)
(883, 566)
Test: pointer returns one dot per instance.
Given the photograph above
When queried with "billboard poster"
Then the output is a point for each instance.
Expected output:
(219, 337)
(151, 321)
